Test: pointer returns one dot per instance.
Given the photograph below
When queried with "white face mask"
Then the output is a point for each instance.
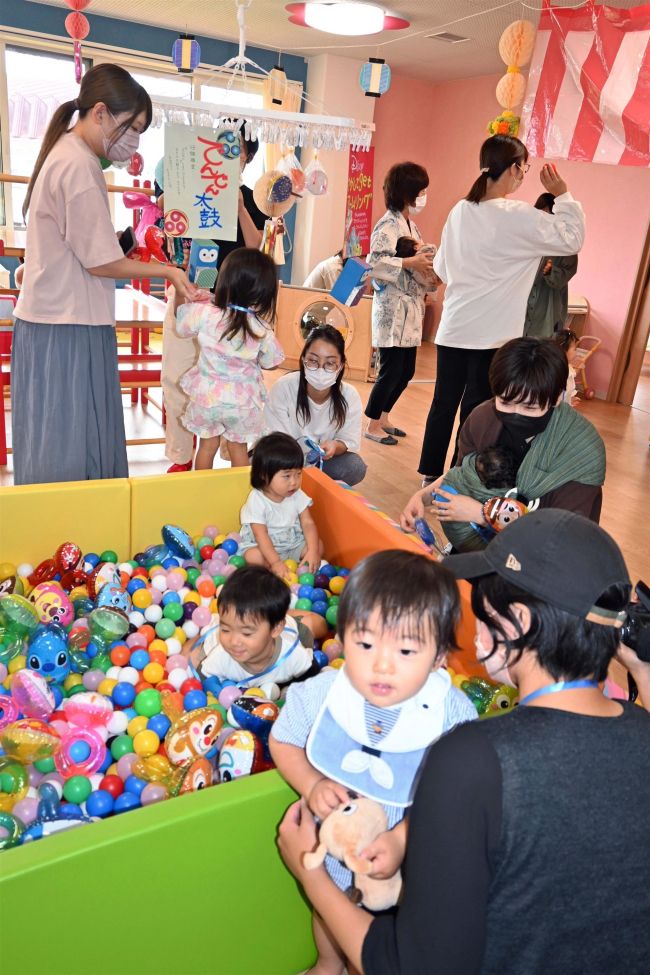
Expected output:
(320, 378)
(419, 205)
(495, 664)
(123, 148)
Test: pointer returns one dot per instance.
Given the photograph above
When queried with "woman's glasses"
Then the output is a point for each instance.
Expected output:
(329, 365)
(524, 168)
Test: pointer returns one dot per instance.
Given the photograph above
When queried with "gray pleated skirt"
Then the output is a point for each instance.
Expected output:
(66, 407)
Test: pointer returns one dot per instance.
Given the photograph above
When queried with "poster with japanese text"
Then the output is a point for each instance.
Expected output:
(201, 182)
(358, 209)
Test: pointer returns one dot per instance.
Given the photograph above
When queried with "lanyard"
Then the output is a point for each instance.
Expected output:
(262, 673)
(563, 685)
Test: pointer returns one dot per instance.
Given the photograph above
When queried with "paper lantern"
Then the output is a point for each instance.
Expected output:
(186, 53)
(277, 84)
(77, 25)
(511, 90)
(78, 4)
(517, 43)
(375, 77)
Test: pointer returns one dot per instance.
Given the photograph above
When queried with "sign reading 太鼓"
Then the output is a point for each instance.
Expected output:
(201, 182)
(358, 210)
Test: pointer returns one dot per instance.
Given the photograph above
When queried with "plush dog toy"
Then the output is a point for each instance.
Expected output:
(347, 831)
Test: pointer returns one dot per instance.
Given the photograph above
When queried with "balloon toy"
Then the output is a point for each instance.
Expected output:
(242, 754)
(32, 694)
(9, 711)
(13, 828)
(154, 240)
(105, 573)
(192, 735)
(501, 512)
(178, 541)
(47, 652)
(52, 603)
(198, 776)
(107, 624)
(14, 783)
(50, 819)
(93, 749)
(29, 740)
(67, 557)
(256, 714)
(136, 165)
(88, 710)
(9, 584)
(112, 595)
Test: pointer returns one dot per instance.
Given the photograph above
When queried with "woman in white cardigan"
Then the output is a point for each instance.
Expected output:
(314, 403)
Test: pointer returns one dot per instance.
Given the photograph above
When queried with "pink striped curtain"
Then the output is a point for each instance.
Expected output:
(588, 95)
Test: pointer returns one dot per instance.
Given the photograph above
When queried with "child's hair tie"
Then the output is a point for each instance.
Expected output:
(485, 169)
(247, 311)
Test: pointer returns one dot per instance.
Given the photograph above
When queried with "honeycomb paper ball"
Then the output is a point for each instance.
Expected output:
(517, 43)
(511, 90)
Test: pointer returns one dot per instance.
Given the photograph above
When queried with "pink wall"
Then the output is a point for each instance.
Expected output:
(442, 127)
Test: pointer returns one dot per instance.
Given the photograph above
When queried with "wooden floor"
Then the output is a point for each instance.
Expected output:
(392, 476)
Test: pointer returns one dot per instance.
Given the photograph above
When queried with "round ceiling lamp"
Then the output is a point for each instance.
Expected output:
(344, 17)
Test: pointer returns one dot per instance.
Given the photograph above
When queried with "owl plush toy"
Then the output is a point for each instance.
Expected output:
(202, 269)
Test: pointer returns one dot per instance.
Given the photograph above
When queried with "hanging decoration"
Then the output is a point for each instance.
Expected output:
(516, 49)
(186, 53)
(375, 77)
(77, 26)
(278, 80)
(315, 177)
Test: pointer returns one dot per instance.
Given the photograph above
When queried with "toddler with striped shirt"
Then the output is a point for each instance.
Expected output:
(367, 727)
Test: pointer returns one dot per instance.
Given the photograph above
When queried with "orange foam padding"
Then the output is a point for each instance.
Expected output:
(350, 531)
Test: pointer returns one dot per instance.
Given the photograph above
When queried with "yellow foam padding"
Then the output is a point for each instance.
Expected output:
(36, 518)
(191, 500)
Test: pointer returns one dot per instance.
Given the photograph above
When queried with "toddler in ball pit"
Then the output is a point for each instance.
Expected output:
(367, 727)
(252, 641)
(275, 521)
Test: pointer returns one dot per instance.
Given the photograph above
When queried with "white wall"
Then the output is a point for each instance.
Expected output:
(332, 88)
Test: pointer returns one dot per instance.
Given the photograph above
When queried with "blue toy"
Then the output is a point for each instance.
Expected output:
(316, 453)
(111, 595)
(52, 818)
(425, 533)
(47, 652)
(202, 269)
(178, 542)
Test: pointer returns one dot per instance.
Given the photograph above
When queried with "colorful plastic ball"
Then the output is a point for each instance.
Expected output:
(125, 765)
(142, 598)
(152, 614)
(305, 604)
(238, 561)
(230, 546)
(136, 584)
(306, 578)
(112, 784)
(153, 673)
(78, 752)
(129, 675)
(331, 615)
(201, 616)
(160, 724)
(148, 703)
(165, 628)
(153, 792)
(305, 592)
(77, 788)
(227, 695)
(328, 570)
(108, 556)
(191, 684)
(91, 560)
(137, 724)
(319, 607)
(123, 694)
(321, 659)
(107, 686)
(173, 612)
(139, 659)
(125, 803)
(26, 810)
(321, 581)
(100, 804)
(337, 585)
(146, 743)
(194, 700)
(44, 765)
(121, 745)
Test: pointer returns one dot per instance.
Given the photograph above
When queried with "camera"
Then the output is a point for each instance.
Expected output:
(635, 632)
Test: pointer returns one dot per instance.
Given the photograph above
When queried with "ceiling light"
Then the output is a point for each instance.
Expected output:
(344, 18)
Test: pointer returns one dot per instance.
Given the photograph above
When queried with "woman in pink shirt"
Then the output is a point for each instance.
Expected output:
(66, 404)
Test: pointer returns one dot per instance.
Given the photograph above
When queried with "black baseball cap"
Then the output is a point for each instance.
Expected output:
(558, 556)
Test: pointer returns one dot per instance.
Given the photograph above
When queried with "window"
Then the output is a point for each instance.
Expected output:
(37, 83)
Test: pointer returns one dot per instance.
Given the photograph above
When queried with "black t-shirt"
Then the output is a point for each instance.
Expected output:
(228, 246)
(528, 852)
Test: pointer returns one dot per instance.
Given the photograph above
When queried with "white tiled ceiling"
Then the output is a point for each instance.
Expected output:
(409, 52)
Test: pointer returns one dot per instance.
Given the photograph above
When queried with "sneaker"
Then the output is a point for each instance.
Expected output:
(180, 468)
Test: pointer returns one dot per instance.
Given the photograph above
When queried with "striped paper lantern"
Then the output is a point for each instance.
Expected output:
(375, 77)
(186, 53)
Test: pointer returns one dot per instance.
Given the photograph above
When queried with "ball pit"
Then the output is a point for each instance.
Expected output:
(232, 828)
(119, 688)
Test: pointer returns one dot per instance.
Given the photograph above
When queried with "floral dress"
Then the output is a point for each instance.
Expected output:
(398, 309)
(225, 387)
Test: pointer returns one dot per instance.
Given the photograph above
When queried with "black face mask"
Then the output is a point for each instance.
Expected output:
(524, 427)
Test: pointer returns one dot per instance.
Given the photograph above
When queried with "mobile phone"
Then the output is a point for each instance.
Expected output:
(314, 446)
(128, 242)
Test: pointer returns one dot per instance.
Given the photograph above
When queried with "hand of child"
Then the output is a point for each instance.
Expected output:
(280, 569)
(386, 853)
(309, 561)
(415, 507)
(325, 796)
